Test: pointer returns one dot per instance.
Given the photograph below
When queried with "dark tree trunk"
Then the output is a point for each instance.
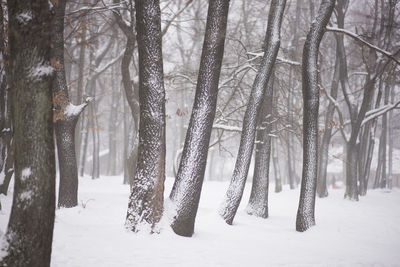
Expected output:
(65, 115)
(30, 228)
(272, 43)
(322, 189)
(6, 148)
(305, 213)
(258, 203)
(146, 200)
(186, 191)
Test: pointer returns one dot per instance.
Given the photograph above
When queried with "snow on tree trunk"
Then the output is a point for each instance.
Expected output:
(272, 43)
(65, 115)
(146, 200)
(258, 203)
(305, 213)
(30, 230)
(185, 194)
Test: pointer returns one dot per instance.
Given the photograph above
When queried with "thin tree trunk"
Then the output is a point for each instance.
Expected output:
(258, 203)
(146, 200)
(30, 228)
(272, 42)
(322, 189)
(277, 175)
(185, 194)
(305, 213)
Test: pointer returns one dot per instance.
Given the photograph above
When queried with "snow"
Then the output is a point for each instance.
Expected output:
(41, 70)
(24, 17)
(364, 233)
(26, 172)
(72, 110)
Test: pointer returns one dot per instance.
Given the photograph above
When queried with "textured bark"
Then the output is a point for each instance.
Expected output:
(185, 194)
(30, 228)
(237, 184)
(6, 149)
(305, 213)
(146, 200)
(258, 203)
(65, 121)
(322, 189)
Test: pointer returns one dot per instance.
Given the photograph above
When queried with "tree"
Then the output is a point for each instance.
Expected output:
(30, 229)
(272, 43)
(146, 200)
(185, 194)
(305, 213)
(258, 203)
(66, 115)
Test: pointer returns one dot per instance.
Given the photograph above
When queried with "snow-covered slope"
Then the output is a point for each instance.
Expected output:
(366, 233)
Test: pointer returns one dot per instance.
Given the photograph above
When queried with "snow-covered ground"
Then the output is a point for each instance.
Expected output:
(366, 233)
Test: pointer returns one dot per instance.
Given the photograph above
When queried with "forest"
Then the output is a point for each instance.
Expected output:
(199, 133)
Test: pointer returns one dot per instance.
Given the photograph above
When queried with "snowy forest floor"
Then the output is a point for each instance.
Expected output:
(347, 233)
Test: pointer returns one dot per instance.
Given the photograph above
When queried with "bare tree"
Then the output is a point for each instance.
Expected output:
(305, 214)
(30, 228)
(272, 43)
(258, 203)
(146, 200)
(185, 194)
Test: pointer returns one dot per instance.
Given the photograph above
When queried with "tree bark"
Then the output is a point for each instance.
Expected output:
(305, 213)
(30, 228)
(65, 115)
(146, 200)
(272, 42)
(185, 194)
(258, 203)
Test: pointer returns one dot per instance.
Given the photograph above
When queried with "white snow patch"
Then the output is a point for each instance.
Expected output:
(72, 110)
(26, 196)
(39, 71)
(24, 17)
(26, 173)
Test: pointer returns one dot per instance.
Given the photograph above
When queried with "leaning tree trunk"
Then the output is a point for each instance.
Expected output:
(305, 213)
(258, 203)
(185, 194)
(146, 200)
(30, 228)
(322, 189)
(65, 115)
(272, 43)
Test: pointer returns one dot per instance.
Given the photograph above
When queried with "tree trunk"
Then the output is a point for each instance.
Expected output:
(30, 228)
(65, 115)
(322, 189)
(146, 200)
(277, 175)
(185, 194)
(305, 213)
(258, 203)
(272, 41)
